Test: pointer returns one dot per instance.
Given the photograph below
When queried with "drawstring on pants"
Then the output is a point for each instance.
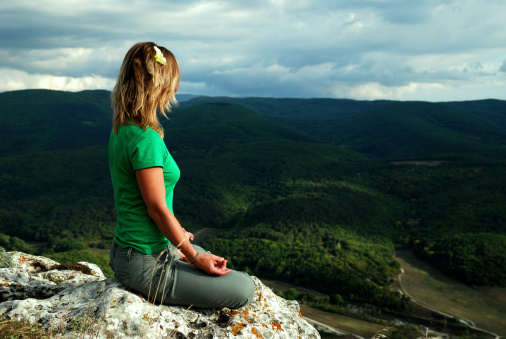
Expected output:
(161, 262)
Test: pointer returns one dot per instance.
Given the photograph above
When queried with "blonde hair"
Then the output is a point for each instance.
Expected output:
(144, 87)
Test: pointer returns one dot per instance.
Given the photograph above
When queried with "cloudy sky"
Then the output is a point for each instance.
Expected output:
(431, 50)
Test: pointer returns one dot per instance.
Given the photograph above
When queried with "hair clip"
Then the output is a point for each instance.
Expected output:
(159, 56)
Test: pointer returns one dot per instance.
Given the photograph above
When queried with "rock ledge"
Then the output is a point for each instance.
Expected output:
(89, 305)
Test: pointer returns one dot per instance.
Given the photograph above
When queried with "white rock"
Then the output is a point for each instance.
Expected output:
(91, 306)
(28, 280)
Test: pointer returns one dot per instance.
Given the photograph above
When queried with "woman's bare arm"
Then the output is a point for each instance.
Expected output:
(152, 188)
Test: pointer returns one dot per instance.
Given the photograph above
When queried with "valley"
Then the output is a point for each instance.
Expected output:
(479, 309)
(471, 305)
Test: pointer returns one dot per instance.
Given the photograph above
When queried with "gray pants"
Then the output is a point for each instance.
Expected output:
(162, 277)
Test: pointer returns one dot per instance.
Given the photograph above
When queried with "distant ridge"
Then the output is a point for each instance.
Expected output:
(391, 129)
(492, 110)
(379, 129)
(44, 120)
(407, 130)
(185, 97)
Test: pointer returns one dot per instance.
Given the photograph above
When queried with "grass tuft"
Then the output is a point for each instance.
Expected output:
(5, 259)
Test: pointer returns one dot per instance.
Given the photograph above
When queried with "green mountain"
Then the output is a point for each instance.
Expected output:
(392, 130)
(41, 120)
(293, 109)
(415, 130)
(493, 111)
(316, 193)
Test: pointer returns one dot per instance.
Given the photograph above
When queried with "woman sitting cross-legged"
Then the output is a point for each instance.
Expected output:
(151, 253)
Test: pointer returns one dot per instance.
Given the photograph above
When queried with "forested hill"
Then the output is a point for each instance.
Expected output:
(389, 129)
(45, 120)
(303, 188)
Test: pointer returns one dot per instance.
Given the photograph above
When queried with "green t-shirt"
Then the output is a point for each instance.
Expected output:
(132, 149)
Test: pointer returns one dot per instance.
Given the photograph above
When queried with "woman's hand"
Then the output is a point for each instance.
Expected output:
(212, 264)
(182, 257)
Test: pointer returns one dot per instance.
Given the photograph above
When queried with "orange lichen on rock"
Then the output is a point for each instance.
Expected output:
(245, 312)
(237, 328)
(276, 326)
(300, 313)
(251, 317)
(23, 258)
(255, 333)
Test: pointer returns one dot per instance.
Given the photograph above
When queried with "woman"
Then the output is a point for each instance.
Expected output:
(151, 253)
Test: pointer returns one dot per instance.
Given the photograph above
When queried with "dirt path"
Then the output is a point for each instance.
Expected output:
(206, 232)
(329, 329)
(466, 322)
